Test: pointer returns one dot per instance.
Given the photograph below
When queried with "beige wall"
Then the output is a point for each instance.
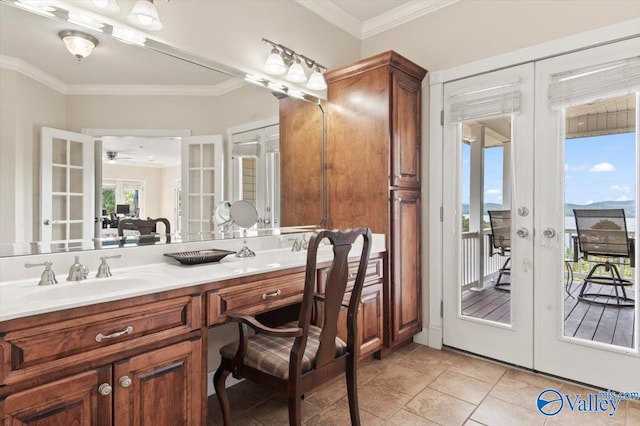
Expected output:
(26, 106)
(203, 115)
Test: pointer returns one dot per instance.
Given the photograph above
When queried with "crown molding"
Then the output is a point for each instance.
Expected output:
(334, 14)
(401, 15)
(157, 90)
(28, 70)
(383, 22)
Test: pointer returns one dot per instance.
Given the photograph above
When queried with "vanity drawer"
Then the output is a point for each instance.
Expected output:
(373, 274)
(255, 297)
(53, 346)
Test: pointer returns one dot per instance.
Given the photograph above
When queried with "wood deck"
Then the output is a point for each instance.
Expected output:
(606, 324)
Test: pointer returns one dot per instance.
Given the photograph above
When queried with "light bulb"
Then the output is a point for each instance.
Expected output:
(275, 64)
(145, 14)
(316, 80)
(296, 72)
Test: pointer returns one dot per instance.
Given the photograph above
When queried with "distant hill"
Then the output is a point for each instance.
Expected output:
(628, 206)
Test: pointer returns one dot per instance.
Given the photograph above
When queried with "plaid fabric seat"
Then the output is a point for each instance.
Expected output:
(271, 354)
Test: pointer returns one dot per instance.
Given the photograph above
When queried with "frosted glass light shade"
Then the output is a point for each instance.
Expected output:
(78, 44)
(144, 14)
(316, 80)
(109, 6)
(274, 64)
(296, 72)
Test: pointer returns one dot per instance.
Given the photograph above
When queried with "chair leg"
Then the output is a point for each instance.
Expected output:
(221, 392)
(295, 410)
(352, 392)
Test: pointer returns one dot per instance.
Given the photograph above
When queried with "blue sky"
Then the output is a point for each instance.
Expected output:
(599, 168)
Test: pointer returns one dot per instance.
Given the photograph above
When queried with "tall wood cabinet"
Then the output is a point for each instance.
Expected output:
(373, 172)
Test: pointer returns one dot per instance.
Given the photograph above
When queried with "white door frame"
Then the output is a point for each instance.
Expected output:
(432, 299)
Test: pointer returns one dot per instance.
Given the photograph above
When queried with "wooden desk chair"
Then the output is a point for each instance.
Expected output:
(300, 356)
(146, 227)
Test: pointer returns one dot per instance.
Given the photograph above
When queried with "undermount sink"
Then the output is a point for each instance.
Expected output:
(90, 287)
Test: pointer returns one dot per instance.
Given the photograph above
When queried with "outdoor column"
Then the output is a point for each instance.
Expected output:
(476, 202)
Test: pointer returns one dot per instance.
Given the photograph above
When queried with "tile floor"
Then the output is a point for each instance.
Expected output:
(417, 385)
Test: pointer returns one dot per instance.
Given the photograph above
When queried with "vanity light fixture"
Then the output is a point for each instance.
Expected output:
(282, 59)
(108, 6)
(145, 14)
(78, 43)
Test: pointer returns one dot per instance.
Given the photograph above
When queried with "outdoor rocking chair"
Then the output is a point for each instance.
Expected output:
(603, 234)
(500, 241)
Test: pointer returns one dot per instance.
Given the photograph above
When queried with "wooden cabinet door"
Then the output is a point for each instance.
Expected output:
(405, 125)
(406, 292)
(160, 387)
(370, 320)
(74, 400)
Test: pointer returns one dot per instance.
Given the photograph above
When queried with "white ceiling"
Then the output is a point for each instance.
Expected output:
(366, 18)
(143, 151)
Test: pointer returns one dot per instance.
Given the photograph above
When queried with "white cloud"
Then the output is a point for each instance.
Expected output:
(623, 198)
(603, 167)
(620, 188)
(569, 168)
(494, 192)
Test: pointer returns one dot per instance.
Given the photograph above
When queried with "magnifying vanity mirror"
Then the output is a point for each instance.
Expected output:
(245, 215)
(142, 131)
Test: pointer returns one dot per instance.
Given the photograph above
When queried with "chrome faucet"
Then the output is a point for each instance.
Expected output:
(299, 244)
(78, 271)
(48, 276)
(104, 270)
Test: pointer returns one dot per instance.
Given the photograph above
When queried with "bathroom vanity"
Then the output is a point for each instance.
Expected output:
(110, 351)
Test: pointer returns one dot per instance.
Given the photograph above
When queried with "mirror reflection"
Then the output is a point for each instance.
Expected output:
(130, 133)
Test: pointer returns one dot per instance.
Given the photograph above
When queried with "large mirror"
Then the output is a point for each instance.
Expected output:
(133, 132)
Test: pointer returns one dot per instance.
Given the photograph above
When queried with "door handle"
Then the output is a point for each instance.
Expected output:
(47, 222)
(522, 232)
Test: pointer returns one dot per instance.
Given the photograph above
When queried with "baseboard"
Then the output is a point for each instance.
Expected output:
(422, 338)
(435, 337)
(230, 382)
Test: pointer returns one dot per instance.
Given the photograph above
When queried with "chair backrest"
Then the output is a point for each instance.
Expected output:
(602, 232)
(500, 221)
(146, 227)
(332, 299)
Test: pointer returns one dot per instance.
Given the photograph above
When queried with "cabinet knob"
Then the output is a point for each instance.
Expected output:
(105, 389)
(125, 381)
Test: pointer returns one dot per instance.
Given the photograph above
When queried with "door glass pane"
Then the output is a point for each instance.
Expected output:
(249, 172)
(600, 193)
(208, 181)
(59, 207)
(75, 152)
(485, 279)
(194, 181)
(75, 207)
(59, 179)
(59, 151)
(208, 155)
(194, 156)
(76, 181)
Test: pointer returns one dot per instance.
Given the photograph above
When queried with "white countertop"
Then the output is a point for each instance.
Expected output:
(21, 298)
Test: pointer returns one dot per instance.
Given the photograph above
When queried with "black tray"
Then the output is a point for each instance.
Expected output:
(199, 256)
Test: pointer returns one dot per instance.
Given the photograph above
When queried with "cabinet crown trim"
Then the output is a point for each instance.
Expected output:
(384, 59)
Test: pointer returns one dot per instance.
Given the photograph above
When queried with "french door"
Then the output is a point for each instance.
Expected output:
(587, 155)
(488, 133)
(530, 144)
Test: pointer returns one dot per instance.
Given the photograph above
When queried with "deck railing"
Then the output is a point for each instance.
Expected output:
(470, 253)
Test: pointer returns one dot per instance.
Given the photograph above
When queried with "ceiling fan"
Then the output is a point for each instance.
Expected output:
(113, 156)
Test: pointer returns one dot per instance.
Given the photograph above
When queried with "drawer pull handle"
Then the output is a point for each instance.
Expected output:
(104, 389)
(266, 296)
(100, 337)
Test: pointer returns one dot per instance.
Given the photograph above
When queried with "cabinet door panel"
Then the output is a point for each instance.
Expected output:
(71, 401)
(405, 265)
(165, 388)
(406, 132)
(370, 320)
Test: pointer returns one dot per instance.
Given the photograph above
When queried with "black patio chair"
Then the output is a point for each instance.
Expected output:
(500, 241)
(602, 236)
